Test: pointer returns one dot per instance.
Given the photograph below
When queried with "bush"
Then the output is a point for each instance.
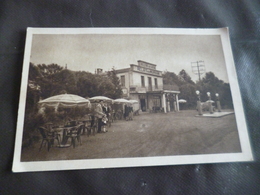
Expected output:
(30, 133)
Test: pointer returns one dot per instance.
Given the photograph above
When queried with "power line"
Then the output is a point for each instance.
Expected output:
(198, 68)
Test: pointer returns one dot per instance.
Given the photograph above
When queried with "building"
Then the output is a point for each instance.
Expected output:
(142, 82)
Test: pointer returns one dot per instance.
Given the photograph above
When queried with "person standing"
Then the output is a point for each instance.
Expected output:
(126, 112)
(106, 111)
(99, 114)
(131, 112)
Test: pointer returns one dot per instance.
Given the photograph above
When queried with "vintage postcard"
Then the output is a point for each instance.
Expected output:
(126, 97)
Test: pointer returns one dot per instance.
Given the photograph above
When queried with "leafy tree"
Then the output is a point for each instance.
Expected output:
(50, 69)
(34, 72)
(86, 84)
(64, 80)
(186, 86)
(185, 77)
(170, 78)
(188, 92)
(117, 91)
(211, 83)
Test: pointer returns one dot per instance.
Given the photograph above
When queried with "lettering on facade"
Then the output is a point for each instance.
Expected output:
(147, 70)
(146, 65)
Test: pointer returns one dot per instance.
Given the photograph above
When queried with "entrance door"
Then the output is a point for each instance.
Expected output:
(143, 105)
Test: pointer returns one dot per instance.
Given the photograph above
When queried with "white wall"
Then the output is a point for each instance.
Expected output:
(137, 80)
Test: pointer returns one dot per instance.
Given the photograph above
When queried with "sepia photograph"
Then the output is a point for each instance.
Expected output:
(127, 97)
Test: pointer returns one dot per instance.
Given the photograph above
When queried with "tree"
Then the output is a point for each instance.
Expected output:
(34, 72)
(64, 80)
(47, 70)
(86, 84)
(188, 92)
(117, 91)
(211, 83)
(170, 78)
(46, 79)
(185, 77)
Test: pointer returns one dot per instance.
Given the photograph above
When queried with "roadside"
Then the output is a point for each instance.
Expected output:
(150, 134)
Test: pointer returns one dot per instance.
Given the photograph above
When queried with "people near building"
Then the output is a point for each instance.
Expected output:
(104, 124)
(106, 110)
(126, 113)
(143, 82)
(92, 115)
(111, 113)
(99, 114)
(131, 112)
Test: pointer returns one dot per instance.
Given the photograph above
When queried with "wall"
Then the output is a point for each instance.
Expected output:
(137, 80)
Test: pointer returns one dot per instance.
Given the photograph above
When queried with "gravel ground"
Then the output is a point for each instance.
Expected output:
(150, 134)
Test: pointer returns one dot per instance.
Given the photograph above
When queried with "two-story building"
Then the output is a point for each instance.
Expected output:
(142, 82)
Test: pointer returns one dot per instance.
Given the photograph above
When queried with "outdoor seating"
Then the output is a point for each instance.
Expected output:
(71, 123)
(48, 137)
(119, 115)
(75, 133)
(92, 126)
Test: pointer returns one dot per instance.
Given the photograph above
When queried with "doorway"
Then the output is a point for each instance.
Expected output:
(143, 105)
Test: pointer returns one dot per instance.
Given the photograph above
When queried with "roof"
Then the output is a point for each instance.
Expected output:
(122, 70)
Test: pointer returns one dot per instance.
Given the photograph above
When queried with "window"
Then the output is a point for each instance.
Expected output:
(155, 83)
(142, 80)
(150, 83)
(122, 78)
(132, 89)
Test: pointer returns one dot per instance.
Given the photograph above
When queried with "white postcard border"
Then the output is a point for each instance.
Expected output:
(245, 155)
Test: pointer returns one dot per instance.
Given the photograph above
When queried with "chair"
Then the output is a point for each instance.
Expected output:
(75, 133)
(71, 123)
(48, 137)
(92, 127)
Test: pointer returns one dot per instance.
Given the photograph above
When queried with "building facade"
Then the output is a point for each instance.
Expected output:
(142, 82)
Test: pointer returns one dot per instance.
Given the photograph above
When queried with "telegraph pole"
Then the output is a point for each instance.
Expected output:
(198, 68)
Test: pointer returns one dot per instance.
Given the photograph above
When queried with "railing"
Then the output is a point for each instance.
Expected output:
(138, 89)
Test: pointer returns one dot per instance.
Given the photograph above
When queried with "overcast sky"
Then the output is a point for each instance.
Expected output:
(168, 52)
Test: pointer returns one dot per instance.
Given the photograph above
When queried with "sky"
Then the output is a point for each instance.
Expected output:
(86, 52)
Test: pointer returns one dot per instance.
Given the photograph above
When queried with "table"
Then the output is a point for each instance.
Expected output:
(64, 130)
(84, 124)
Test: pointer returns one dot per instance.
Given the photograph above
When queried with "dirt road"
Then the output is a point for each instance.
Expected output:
(150, 134)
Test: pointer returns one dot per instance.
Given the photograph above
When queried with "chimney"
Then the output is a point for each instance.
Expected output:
(99, 70)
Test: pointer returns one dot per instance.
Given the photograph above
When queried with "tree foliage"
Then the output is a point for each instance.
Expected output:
(188, 92)
(49, 80)
(209, 83)
(50, 69)
(170, 78)
(54, 80)
(117, 91)
(185, 77)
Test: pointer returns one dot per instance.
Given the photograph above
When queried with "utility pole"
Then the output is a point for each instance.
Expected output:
(198, 68)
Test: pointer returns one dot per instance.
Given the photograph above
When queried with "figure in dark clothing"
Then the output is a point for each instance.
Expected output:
(99, 114)
(126, 112)
(106, 111)
(131, 113)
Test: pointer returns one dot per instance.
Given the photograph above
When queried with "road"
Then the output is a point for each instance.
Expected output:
(150, 134)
